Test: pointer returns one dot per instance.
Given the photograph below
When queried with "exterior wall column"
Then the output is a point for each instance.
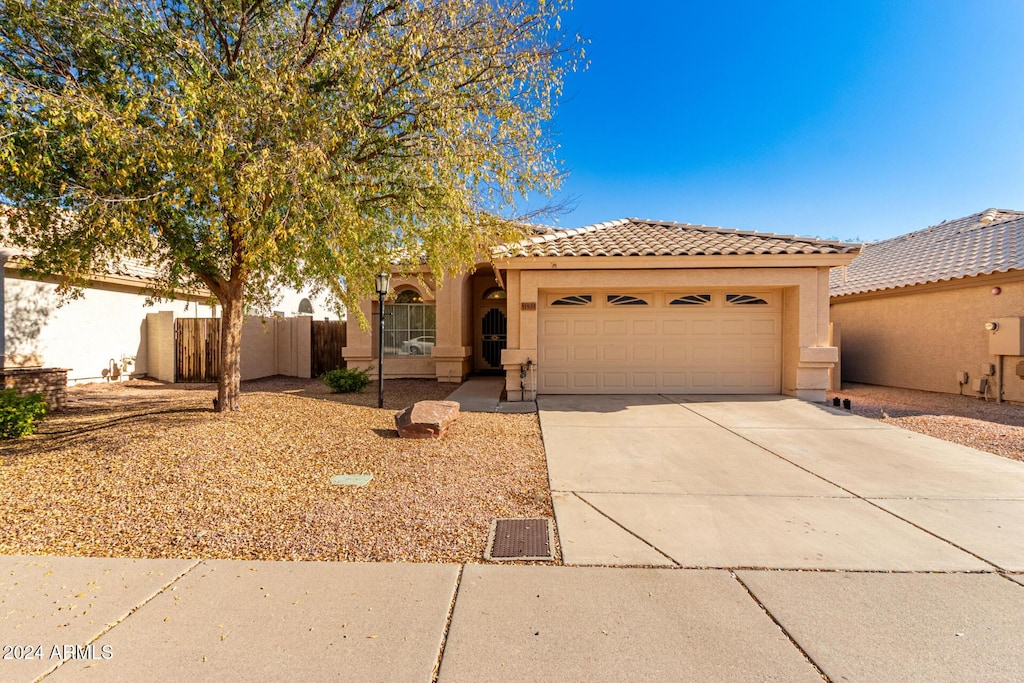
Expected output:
(453, 351)
(519, 359)
(817, 357)
(359, 348)
(4, 255)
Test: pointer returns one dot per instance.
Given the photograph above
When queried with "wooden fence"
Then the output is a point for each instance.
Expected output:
(196, 349)
(327, 339)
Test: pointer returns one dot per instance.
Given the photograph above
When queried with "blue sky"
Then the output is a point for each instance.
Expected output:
(856, 120)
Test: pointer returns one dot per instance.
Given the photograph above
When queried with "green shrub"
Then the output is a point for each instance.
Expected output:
(346, 380)
(18, 414)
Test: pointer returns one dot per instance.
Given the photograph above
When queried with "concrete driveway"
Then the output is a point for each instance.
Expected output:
(772, 483)
(881, 554)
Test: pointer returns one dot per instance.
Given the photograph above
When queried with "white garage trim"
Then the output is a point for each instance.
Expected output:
(707, 341)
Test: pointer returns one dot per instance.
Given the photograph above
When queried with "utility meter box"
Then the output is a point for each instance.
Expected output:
(1008, 337)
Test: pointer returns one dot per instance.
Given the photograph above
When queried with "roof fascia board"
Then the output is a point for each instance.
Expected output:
(670, 262)
(964, 282)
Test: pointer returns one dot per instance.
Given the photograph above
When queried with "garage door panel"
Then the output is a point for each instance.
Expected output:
(680, 327)
(614, 380)
(554, 328)
(644, 354)
(713, 348)
(583, 353)
(674, 380)
(704, 354)
(645, 327)
(734, 328)
(733, 354)
(676, 353)
(614, 354)
(584, 327)
(554, 353)
(704, 327)
(764, 354)
(611, 327)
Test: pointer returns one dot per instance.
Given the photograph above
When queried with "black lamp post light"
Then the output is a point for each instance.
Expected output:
(383, 282)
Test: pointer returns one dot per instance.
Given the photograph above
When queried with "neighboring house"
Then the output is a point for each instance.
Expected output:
(912, 311)
(625, 307)
(104, 333)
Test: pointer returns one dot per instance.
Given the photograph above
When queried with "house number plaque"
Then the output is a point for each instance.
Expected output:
(528, 306)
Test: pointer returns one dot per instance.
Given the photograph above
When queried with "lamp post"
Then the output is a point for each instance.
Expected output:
(383, 281)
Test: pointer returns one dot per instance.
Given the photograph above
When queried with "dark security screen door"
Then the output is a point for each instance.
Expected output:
(494, 326)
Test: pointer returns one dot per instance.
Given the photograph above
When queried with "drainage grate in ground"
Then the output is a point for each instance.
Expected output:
(520, 539)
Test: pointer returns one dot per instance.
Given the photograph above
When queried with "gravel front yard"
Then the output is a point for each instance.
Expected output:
(988, 426)
(147, 470)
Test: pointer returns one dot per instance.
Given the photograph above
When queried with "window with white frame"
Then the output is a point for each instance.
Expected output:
(409, 325)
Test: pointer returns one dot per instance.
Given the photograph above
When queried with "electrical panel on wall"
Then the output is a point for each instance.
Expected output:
(1006, 337)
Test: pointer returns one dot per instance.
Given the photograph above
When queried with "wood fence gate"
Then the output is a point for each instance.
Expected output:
(327, 339)
(196, 349)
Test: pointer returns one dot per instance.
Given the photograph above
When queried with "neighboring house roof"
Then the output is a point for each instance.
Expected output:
(988, 242)
(640, 237)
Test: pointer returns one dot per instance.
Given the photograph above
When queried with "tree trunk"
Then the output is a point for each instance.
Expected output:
(228, 384)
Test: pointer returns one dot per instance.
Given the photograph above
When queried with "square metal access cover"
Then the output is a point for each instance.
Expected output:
(520, 539)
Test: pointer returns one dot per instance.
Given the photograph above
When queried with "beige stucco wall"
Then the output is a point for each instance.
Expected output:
(275, 346)
(159, 356)
(921, 337)
(83, 334)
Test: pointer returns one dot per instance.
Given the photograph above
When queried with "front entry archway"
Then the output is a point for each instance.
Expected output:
(490, 330)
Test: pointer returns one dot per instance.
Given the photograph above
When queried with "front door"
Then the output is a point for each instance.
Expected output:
(494, 328)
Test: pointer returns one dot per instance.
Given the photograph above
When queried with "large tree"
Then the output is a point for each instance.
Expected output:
(243, 145)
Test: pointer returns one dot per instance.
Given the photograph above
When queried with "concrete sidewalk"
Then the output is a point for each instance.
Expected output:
(95, 619)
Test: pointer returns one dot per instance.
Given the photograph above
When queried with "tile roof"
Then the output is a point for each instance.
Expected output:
(640, 237)
(991, 241)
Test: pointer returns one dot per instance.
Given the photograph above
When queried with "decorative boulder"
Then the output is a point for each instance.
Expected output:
(426, 419)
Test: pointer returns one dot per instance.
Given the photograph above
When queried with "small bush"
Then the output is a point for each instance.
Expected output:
(347, 380)
(19, 414)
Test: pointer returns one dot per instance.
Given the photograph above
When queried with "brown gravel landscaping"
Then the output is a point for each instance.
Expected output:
(144, 469)
(988, 426)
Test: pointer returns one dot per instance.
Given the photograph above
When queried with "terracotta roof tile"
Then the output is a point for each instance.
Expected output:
(991, 241)
(640, 237)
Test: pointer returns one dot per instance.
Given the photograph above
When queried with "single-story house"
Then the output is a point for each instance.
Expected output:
(628, 306)
(938, 309)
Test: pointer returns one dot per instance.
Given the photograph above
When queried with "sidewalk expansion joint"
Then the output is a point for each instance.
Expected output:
(110, 626)
(447, 624)
(782, 628)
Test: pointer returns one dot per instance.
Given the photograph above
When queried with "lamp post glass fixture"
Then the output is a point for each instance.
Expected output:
(383, 282)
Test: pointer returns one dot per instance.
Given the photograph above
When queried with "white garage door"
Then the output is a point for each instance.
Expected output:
(700, 342)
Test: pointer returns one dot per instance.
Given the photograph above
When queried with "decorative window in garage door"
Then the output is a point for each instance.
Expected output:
(691, 300)
(573, 300)
(625, 300)
(745, 300)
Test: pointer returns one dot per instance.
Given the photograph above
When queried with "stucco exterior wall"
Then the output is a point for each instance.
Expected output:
(159, 356)
(921, 337)
(275, 346)
(85, 334)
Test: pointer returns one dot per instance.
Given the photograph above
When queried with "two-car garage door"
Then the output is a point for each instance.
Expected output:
(636, 342)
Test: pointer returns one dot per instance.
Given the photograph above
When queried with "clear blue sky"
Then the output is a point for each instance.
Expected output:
(857, 120)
